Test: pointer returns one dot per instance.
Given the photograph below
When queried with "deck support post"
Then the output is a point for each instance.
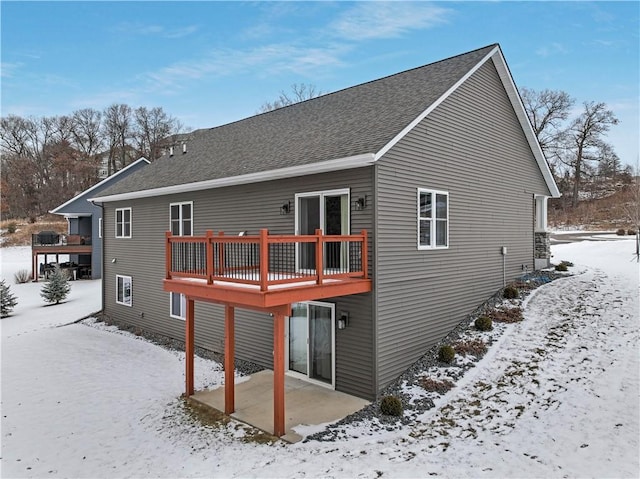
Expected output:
(34, 267)
(229, 355)
(189, 346)
(278, 372)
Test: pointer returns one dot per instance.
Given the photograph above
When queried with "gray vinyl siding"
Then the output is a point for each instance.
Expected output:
(472, 146)
(234, 209)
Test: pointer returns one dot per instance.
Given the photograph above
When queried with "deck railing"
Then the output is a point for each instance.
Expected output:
(50, 238)
(265, 260)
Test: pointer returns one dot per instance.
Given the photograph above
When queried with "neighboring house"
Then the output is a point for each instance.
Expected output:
(103, 170)
(83, 241)
(438, 165)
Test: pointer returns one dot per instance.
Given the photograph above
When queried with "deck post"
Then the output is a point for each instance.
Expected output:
(220, 255)
(365, 255)
(264, 259)
(167, 254)
(189, 346)
(34, 267)
(229, 355)
(278, 372)
(209, 251)
(319, 258)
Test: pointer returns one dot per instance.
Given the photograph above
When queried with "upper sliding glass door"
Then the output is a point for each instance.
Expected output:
(329, 211)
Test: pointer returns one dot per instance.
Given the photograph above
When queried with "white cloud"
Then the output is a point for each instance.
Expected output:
(371, 20)
(153, 29)
(269, 59)
(552, 49)
(7, 69)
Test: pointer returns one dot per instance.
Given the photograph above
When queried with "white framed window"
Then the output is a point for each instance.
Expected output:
(99, 227)
(178, 305)
(123, 222)
(433, 219)
(181, 222)
(124, 293)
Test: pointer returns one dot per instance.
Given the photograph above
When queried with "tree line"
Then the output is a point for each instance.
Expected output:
(47, 160)
(574, 143)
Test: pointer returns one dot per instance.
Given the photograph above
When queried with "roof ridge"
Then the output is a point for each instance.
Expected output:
(375, 80)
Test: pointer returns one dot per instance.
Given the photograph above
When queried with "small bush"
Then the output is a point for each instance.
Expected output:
(22, 276)
(12, 227)
(483, 323)
(446, 353)
(566, 263)
(433, 385)
(621, 232)
(511, 315)
(510, 292)
(631, 232)
(391, 406)
(476, 347)
(562, 267)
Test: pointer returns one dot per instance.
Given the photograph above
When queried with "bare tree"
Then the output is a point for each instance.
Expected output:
(584, 141)
(299, 92)
(118, 130)
(548, 111)
(86, 130)
(152, 125)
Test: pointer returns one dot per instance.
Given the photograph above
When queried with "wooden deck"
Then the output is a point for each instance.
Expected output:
(265, 273)
(55, 245)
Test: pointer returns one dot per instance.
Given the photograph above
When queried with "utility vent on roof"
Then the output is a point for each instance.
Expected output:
(184, 147)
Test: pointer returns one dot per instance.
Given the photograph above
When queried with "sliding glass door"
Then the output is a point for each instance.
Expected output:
(311, 341)
(329, 211)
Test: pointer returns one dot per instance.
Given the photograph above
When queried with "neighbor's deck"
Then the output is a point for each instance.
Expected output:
(264, 271)
(51, 243)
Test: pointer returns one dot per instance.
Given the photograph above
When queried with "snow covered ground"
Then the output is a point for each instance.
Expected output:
(556, 396)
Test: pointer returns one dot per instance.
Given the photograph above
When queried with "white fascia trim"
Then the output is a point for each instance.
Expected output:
(521, 113)
(434, 105)
(349, 162)
(108, 178)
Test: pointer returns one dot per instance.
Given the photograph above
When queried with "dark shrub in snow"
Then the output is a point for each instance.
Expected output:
(510, 292)
(391, 406)
(446, 353)
(483, 323)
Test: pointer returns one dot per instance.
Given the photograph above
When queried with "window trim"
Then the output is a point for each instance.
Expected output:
(123, 223)
(124, 278)
(183, 306)
(180, 204)
(433, 219)
(99, 227)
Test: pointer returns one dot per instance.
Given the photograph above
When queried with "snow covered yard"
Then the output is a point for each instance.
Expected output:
(556, 396)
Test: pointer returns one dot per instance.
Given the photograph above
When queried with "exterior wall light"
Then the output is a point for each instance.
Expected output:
(285, 209)
(343, 320)
(360, 203)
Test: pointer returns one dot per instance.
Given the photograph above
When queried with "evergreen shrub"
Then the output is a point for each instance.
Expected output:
(391, 406)
(57, 288)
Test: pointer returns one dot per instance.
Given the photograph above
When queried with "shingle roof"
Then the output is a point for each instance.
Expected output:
(354, 121)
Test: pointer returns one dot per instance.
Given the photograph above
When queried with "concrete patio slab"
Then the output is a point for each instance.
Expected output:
(305, 403)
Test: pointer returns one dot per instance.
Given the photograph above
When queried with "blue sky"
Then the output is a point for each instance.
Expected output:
(210, 63)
